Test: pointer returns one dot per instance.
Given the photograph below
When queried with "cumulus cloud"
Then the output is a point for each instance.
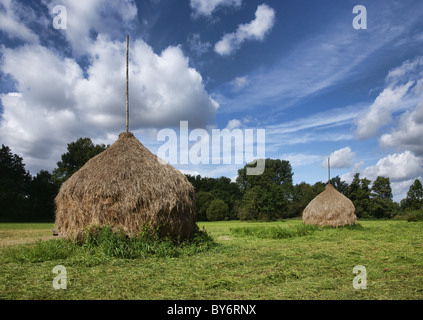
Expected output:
(379, 113)
(86, 19)
(57, 103)
(398, 167)
(401, 169)
(257, 29)
(404, 87)
(57, 99)
(408, 134)
(341, 159)
(207, 7)
(13, 16)
(399, 105)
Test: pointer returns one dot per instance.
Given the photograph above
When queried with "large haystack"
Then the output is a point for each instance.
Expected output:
(330, 208)
(127, 187)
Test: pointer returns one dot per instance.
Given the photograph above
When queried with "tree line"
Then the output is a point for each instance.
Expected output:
(26, 198)
(273, 195)
(267, 197)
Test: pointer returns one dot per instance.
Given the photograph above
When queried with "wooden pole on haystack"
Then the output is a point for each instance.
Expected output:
(329, 170)
(127, 89)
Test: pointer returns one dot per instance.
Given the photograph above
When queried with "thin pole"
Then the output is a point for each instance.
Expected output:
(329, 169)
(127, 89)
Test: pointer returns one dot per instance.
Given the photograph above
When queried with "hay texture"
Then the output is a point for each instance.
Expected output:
(126, 187)
(330, 208)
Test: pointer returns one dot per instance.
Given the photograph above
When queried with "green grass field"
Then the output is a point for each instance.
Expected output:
(278, 260)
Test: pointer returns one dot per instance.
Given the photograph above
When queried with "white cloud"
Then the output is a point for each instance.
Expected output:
(331, 125)
(403, 94)
(300, 159)
(197, 46)
(325, 119)
(398, 167)
(408, 134)
(42, 77)
(87, 18)
(207, 7)
(13, 18)
(341, 159)
(233, 124)
(379, 113)
(190, 172)
(241, 82)
(55, 104)
(404, 89)
(406, 71)
(400, 189)
(255, 30)
(401, 169)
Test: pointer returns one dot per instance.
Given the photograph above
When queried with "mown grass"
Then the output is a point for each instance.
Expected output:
(19, 233)
(264, 264)
(277, 232)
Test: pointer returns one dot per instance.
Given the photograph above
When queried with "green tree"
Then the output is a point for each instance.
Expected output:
(264, 204)
(276, 172)
(250, 205)
(220, 188)
(359, 193)
(266, 196)
(382, 188)
(382, 208)
(42, 191)
(301, 196)
(218, 210)
(303, 193)
(414, 199)
(381, 204)
(79, 152)
(202, 203)
(14, 186)
(339, 185)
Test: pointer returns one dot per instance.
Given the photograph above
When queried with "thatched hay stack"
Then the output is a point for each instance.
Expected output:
(330, 208)
(127, 187)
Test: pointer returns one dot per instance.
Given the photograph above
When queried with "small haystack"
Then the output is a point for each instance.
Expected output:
(330, 208)
(127, 187)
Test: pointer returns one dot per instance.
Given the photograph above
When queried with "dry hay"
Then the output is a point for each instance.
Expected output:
(126, 187)
(330, 208)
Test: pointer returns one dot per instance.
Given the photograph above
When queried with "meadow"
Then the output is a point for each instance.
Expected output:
(282, 260)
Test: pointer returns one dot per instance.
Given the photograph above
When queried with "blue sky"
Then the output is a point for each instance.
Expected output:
(297, 69)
